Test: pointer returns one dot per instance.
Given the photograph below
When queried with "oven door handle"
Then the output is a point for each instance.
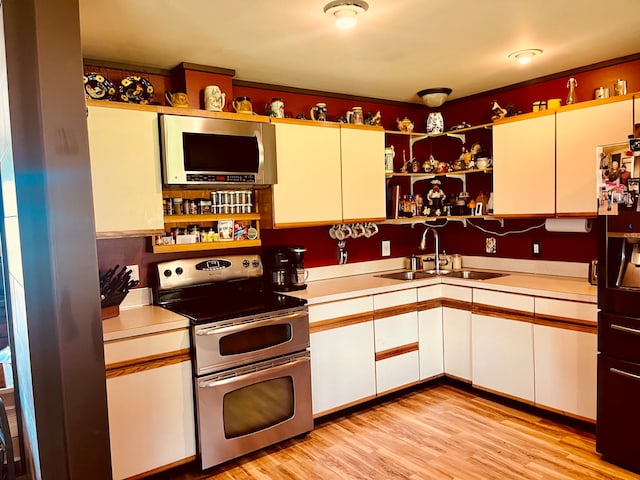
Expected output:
(259, 323)
(252, 375)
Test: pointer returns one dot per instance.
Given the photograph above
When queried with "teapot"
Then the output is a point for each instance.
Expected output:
(178, 99)
(242, 105)
(405, 125)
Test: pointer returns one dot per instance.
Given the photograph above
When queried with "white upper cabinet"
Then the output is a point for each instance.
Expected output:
(579, 132)
(125, 171)
(309, 185)
(363, 180)
(524, 166)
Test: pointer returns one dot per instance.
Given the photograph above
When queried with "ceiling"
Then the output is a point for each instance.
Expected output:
(398, 47)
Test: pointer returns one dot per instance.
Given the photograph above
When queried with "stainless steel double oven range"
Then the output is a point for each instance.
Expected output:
(251, 365)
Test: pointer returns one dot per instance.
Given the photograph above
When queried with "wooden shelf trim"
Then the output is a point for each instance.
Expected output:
(396, 351)
(500, 312)
(219, 245)
(434, 135)
(381, 313)
(455, 173)
(210, 217)
(339, 322)
(147, 363)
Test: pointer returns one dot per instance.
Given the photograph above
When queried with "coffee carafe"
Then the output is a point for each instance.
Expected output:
(284, 268)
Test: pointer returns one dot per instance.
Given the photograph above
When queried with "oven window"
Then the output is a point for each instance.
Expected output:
(220, 153)
(258, 406)
(254, 339)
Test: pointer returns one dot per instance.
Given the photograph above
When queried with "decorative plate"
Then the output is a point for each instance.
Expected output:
(98, 87)
(136, 89)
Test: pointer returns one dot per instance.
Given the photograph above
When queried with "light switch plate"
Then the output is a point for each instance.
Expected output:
(536, 248)
(386, 248)
(135, 272)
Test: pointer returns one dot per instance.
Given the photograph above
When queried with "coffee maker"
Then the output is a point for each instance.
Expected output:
(284, 268)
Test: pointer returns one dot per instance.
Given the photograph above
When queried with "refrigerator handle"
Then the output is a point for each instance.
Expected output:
(623, 264)
(633, 376)
(635, 331)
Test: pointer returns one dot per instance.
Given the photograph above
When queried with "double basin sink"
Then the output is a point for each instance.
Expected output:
(417, 274)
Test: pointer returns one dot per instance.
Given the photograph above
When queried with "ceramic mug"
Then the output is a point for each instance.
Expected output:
(242, 105)
(275, 108)
(214, 99)
(178, 99)
(554, 103)
(319, 112)
(370, 229)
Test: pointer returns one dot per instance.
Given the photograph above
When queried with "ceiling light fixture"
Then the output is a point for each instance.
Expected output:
(434, 97)
(346, 12)
(525, 56)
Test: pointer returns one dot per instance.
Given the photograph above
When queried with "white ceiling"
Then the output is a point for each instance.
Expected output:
(398, 47)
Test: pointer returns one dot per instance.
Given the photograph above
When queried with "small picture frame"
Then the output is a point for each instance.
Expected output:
(478, 210)
(633, 184)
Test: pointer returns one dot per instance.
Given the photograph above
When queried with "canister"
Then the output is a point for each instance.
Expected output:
(620, 87)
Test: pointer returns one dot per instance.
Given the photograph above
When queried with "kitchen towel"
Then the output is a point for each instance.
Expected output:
(569, 225)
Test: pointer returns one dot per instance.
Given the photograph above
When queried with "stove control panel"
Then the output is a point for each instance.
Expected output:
(195, 271)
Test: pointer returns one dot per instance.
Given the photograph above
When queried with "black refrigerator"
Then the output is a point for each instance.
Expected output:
(618, 420)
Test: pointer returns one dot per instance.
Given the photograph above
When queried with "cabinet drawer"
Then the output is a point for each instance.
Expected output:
(396, 372)
(394, 299)
(506, 301)
(453, 292)
(341, 308)
(566, 309)
(619, 336)
(141, 348)
(431, 292)
(396, 331)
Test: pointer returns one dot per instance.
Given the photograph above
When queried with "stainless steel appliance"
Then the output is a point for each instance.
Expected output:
(618, 420)
(251, 364)
(200, 150)
(284, 268)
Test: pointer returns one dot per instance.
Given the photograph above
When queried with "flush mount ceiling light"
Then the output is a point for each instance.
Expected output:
(525, 56)
(434, 97)
(346, 12)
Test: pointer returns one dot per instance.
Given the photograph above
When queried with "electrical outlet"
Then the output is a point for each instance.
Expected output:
(386, 248)
(536, 248)
(135, 272)
(490, 245)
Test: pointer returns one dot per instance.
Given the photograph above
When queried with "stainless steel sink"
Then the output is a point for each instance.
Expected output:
(408, 275)
(475, 275)
(415, 275)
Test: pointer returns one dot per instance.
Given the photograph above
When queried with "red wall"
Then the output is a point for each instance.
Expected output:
(321, 250)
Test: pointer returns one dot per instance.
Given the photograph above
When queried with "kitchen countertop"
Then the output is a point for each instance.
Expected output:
(550, 286)
(142, 320)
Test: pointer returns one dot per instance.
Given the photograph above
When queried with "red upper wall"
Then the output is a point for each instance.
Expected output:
(321, 250)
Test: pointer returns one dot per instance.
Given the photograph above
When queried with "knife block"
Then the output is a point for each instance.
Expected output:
(109, 312)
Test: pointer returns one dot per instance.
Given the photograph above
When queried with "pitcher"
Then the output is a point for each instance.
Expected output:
(214, 98)
(319, 112)
(275, 108)
(355, 116)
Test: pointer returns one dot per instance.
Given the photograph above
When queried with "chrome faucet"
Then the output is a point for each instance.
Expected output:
(436, 239)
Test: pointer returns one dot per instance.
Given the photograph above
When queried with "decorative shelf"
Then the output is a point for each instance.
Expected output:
(455, 173)
(458, 133)
(212, 217)
(456, 218)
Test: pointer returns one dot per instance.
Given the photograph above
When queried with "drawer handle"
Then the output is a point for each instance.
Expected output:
(625, 374)
(635, 331)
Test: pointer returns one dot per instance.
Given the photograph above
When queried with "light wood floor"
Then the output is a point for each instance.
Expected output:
(440, 432)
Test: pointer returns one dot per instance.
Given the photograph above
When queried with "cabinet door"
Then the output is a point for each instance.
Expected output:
(342, 354)
(456, 331)
(309, 188)
(579, 132)
(456, 334)
(565, 370)
(396, 340)
(151, 419)
(524, 166)
(125, 171)
(430, 331)
(363, 180)
(502, 356)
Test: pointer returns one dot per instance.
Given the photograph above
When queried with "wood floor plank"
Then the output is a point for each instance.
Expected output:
(437, 433)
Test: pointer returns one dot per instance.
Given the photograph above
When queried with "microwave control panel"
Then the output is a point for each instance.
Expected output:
(214, 178)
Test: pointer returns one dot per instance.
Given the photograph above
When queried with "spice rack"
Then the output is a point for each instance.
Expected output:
(210, 222)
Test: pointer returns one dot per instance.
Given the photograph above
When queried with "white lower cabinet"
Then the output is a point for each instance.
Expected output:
(396, 340)
(502, 343)
(151, 419)
(566, 357)
(430, 331)
(456, 331)
(342, 354)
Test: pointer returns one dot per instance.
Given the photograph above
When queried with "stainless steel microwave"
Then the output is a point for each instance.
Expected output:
(217, 151)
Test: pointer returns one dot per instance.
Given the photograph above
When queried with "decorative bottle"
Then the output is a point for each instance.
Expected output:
(571, 85)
